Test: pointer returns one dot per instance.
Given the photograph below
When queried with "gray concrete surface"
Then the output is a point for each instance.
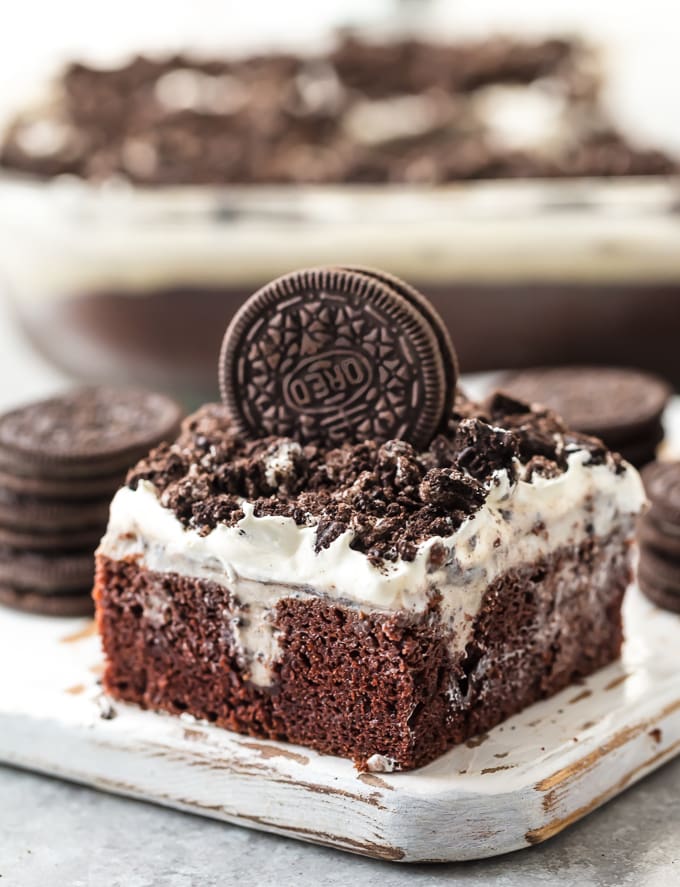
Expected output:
(57, 835)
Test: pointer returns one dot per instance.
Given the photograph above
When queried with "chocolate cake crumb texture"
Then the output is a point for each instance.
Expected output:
(396, 667)
(392, 496)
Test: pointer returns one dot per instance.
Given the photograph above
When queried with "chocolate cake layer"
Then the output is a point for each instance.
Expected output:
(370, 600)
(387, 689)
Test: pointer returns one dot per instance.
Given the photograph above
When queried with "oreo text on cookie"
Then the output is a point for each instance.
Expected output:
(329, 356)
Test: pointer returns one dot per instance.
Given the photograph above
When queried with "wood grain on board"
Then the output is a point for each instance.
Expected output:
(518, 785)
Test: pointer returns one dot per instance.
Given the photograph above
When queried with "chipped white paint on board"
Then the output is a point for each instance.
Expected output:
(523, 782)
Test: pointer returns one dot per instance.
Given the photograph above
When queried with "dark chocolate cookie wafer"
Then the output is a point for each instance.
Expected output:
(328, 356)
(89, 431)
(31, 483)
(659, 595)
(54, 540)
(426, 308)
(61, 461)
(620, 406)
(641, 453)
(655, 567)
(33, 513)
(46, 574)
(78, 603)
(662, 485)
(659, 535)
(659, 579)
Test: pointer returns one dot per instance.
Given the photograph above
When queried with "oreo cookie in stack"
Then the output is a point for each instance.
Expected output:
(659, 536)
(623, 407)
(61, 460)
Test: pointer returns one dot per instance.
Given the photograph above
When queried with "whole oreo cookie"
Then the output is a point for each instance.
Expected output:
(61, 460)
(329, 355)
(621, 406)
(89, 431)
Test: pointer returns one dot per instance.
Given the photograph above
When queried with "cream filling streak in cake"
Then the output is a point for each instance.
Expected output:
(263, 559)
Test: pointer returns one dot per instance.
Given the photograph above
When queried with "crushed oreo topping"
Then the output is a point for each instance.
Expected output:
(390, 496)
(541, 467)
(575, 440)
(482, 449)
(451, 489)
(537, 430)
(408, 111)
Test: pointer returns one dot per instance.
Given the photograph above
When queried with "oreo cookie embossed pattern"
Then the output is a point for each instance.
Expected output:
(332, 355)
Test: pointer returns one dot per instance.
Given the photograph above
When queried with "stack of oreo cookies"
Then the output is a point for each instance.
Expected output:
(623, 407)
(61, 460)
(659, 536)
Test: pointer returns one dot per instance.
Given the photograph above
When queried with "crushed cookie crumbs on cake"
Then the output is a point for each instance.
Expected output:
(391, 497)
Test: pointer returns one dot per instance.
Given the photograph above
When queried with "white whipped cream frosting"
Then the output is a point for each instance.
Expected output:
(262, 559)
(498, 536)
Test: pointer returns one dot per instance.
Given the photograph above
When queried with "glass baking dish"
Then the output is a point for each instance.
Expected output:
(122, 283)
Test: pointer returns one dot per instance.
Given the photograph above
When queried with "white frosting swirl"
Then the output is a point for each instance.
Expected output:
(501, 534)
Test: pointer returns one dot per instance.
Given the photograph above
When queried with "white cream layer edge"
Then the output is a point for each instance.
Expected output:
(262, 559)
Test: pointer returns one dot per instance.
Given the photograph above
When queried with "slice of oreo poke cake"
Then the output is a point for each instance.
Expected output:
(349, 554)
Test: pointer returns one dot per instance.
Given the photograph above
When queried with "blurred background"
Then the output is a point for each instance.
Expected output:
(159, 162)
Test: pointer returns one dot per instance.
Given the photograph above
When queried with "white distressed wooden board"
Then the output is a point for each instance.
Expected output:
(522, 783)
